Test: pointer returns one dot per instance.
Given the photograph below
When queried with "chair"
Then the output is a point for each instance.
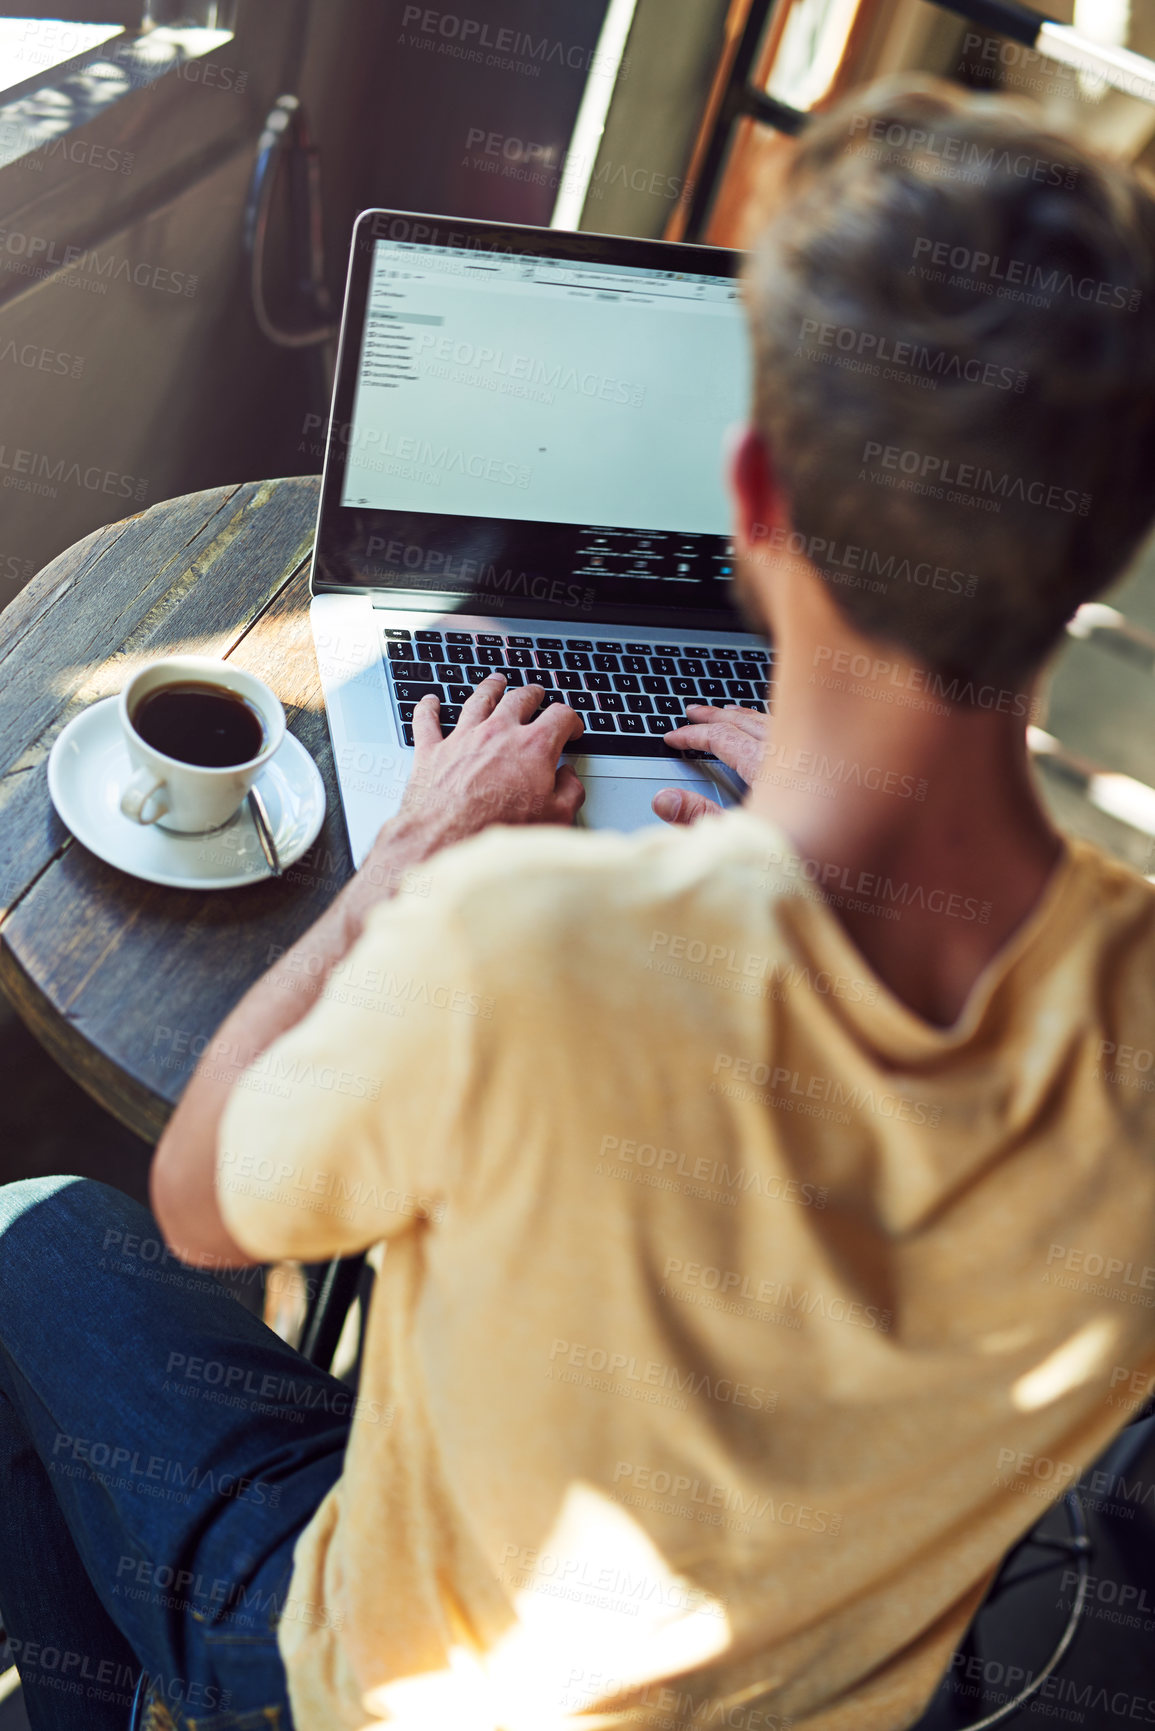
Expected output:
(1079, 1546)
(337, 1286)
(1017, 1569)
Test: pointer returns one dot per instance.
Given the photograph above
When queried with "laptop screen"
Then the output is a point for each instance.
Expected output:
(533, 433)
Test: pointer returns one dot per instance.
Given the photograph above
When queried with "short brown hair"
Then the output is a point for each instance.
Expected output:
(953, 316)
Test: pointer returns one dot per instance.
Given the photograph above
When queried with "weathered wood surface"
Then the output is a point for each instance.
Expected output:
(121, 980)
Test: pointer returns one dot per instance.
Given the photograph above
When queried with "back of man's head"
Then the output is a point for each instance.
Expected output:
(954, 325)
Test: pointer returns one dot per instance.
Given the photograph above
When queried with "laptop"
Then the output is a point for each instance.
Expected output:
(524, 471)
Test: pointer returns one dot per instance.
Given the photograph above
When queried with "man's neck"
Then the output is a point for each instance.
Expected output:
(870, 780)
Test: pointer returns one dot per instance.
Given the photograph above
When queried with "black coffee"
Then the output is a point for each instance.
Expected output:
(199, 724)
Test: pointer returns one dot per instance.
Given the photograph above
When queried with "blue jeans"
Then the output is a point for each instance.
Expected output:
(160, 1452)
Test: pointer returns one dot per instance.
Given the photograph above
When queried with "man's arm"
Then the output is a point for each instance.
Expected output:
(499, 765)
(182, 1180)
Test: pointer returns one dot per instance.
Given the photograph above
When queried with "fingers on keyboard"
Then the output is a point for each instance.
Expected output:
(628, 694)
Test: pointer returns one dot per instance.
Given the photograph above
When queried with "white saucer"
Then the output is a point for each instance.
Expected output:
(89, 766)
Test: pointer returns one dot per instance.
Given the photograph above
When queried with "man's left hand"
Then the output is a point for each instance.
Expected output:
(736, 736)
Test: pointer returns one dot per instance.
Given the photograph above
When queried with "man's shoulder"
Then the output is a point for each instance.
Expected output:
(544, 881)
(658, 856)
(1110, 897)
(1111, 924)
(1112, 874)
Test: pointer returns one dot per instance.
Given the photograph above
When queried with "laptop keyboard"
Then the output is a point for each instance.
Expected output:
(628, 694)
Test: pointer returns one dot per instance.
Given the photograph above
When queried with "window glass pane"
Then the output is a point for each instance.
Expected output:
(810, 50)
(29, 46)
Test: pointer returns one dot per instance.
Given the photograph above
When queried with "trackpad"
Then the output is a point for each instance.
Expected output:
(621, 802)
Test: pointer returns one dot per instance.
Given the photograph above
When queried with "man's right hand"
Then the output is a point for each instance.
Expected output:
(736, 736)
(498, 765)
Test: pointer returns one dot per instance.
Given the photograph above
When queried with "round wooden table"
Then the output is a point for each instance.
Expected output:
(124, 981)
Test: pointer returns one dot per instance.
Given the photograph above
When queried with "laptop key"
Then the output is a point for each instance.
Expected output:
(635, 664)
(631, 723)
(670, 706)
(690, 668)
(684, 687)
(410, 670)
(582, 701)
(718, 669)
(639, 705)
(749, 670)
(612, 701)
(654, 684)
(407, 732)
(695, 650)
(597, 682)
(428, 636)
(711, 688)
(625, 682)
(519, 642)
(577, 660)
(606, 663)
(396, 633)
(490, 639)
(741, 690)
(459, 637)
(663, 664)
(548, 658)
(408, 691)
(402, 651)
(518, 657)
(449, 714)
(462, 653)
(549, 643)
(607, 648)
(583, 644)
(489, 657)
(657, 724)
(474, 675)
(568, 681)
(458, 694)
(602, 723)
(638, 649)
(645, 745)
(657, 748)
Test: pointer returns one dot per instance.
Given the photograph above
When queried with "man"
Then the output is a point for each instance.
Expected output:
(727, 1176)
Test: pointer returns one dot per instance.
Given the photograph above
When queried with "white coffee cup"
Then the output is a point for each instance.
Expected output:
(189, 798)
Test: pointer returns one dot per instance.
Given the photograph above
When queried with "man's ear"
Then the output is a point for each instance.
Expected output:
(753, 489)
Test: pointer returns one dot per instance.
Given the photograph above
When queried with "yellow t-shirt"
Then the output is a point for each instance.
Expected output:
(733, 1322)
